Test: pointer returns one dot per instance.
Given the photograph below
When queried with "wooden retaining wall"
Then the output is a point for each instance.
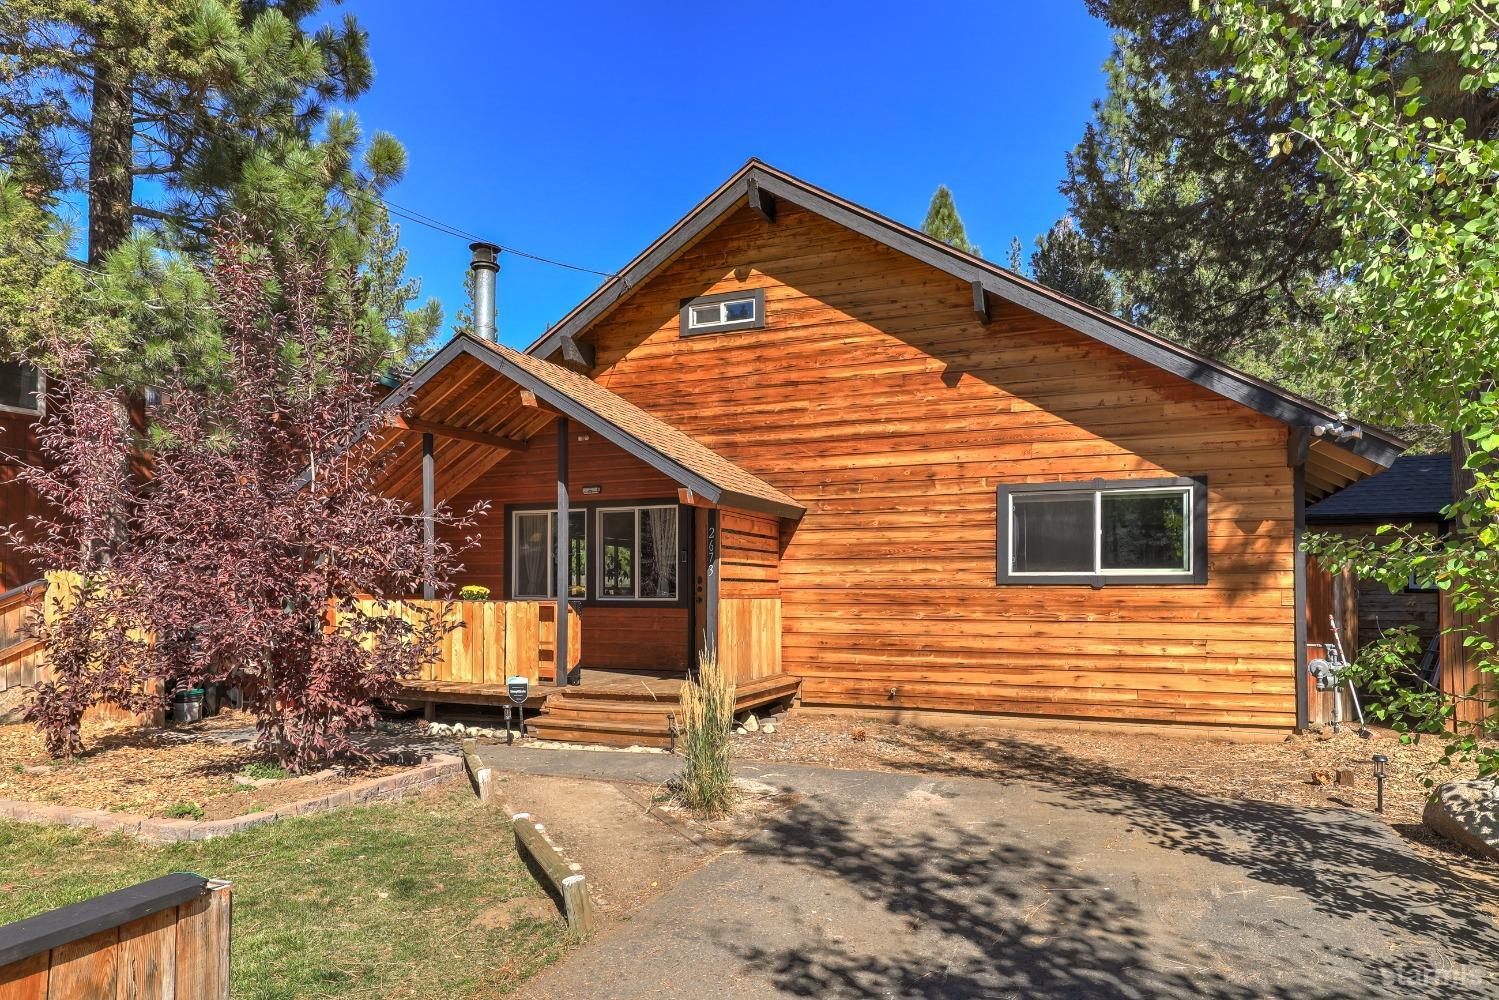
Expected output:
(166, 938)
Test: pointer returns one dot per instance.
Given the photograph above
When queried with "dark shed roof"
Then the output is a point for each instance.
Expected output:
(1416, 487)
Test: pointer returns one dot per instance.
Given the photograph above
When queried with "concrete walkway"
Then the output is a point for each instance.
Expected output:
(1095, 885)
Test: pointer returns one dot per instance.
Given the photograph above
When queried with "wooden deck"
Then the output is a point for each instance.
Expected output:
(608, 707)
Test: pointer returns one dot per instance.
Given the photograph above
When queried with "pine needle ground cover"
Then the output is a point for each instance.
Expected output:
(420, 898)
(148, 772)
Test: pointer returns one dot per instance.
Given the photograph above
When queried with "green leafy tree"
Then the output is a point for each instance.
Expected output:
(1173, 185)
(162, 117)
(1412, 192)
(943, 223)
(1064, 260)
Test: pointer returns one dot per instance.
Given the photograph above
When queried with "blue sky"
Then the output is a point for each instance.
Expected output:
(581, 131)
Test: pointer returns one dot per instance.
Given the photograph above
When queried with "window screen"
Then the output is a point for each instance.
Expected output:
(1053, 533)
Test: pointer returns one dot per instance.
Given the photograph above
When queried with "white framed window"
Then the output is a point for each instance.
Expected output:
(638, 553)
(724, 312)
(533, 554)
(1100, 533)
(21, 387)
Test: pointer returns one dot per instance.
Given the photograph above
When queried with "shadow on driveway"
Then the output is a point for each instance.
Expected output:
(1085, 883)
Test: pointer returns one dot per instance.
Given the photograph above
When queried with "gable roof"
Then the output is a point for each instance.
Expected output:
(1414, 488)
(761, 185)
(648, 438)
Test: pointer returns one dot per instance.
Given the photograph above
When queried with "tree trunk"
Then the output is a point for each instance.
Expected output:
(111, 188)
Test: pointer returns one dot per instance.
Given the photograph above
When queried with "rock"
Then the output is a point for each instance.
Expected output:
(740, 731)
(751, 724)
(1346, 777)
(769, 729)
(1321, 778)
(1467, 813)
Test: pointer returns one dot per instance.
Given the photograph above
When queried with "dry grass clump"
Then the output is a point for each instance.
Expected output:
(706, 782)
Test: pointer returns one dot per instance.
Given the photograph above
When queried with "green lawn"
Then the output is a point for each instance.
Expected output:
(406, 899)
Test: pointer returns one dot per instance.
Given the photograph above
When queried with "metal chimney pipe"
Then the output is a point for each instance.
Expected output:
(485, 265)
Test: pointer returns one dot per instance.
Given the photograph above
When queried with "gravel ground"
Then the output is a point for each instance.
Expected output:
(1286, 771)
(149, 772)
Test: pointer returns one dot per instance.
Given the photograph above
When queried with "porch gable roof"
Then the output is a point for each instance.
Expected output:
(663, 447)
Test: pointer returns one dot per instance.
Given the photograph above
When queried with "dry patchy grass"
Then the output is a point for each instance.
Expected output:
(414, 899)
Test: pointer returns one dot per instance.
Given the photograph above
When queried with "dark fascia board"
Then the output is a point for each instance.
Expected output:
(1434, 517)
(1195, 368)
(55, 928)
(565, 404)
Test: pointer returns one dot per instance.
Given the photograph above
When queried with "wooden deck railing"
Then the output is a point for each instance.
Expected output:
(168, 937)
(498, 639)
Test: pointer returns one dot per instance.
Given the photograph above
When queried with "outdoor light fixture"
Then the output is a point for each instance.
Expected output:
(1380, 760)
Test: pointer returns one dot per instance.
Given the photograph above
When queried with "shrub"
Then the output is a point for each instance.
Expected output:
(184, 810)
(263, 771)
(261, 552)
(473, 593)
(706, 782)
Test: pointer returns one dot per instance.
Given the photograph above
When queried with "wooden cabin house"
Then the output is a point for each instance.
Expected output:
(883, 474)
(1413, 493)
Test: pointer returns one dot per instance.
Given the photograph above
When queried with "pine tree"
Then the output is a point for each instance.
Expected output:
(942, 222)
(166, 117)
(1016, 261)
(1064, 260)
(1201, 221)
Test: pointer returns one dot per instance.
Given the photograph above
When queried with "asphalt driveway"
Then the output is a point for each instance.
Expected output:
(885, 885)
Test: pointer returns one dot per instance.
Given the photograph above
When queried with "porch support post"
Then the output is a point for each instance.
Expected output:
(710, 587)
(429, 502)
(1297, 448)
(564, 547)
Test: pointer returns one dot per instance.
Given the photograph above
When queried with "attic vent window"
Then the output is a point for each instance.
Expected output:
(724, 312)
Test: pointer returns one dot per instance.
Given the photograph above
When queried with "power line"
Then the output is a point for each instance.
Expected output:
(421, 219)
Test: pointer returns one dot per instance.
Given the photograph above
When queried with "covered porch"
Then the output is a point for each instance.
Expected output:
(671, 551)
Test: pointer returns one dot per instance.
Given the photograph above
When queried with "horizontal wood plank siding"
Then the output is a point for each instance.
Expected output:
(750, 563)
(876, 398)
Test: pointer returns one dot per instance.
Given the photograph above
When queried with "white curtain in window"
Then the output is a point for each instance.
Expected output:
(533, 555)
(663, 522)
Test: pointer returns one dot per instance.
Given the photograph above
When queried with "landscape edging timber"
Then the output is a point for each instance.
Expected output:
(167, 831)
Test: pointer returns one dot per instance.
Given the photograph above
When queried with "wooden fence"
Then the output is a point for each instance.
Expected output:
(497, 639)
(20, 659)
(166, 938)
(749, 637)
(1460, 673)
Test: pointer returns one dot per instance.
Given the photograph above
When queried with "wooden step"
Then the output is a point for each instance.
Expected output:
(642, 708)
(616, 734)
(662, 693)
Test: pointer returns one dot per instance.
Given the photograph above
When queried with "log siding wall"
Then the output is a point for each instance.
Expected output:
(876, 398)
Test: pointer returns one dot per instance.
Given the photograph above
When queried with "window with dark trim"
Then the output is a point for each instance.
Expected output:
(638, 553)
(623, 552)
(533, 551)
(20, 387)
(723, 312)
(1103, 532)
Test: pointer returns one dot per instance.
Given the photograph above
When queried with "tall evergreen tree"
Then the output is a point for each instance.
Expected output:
(942, 222)
(1065, 260)
(1201, 220)
(163, 117)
